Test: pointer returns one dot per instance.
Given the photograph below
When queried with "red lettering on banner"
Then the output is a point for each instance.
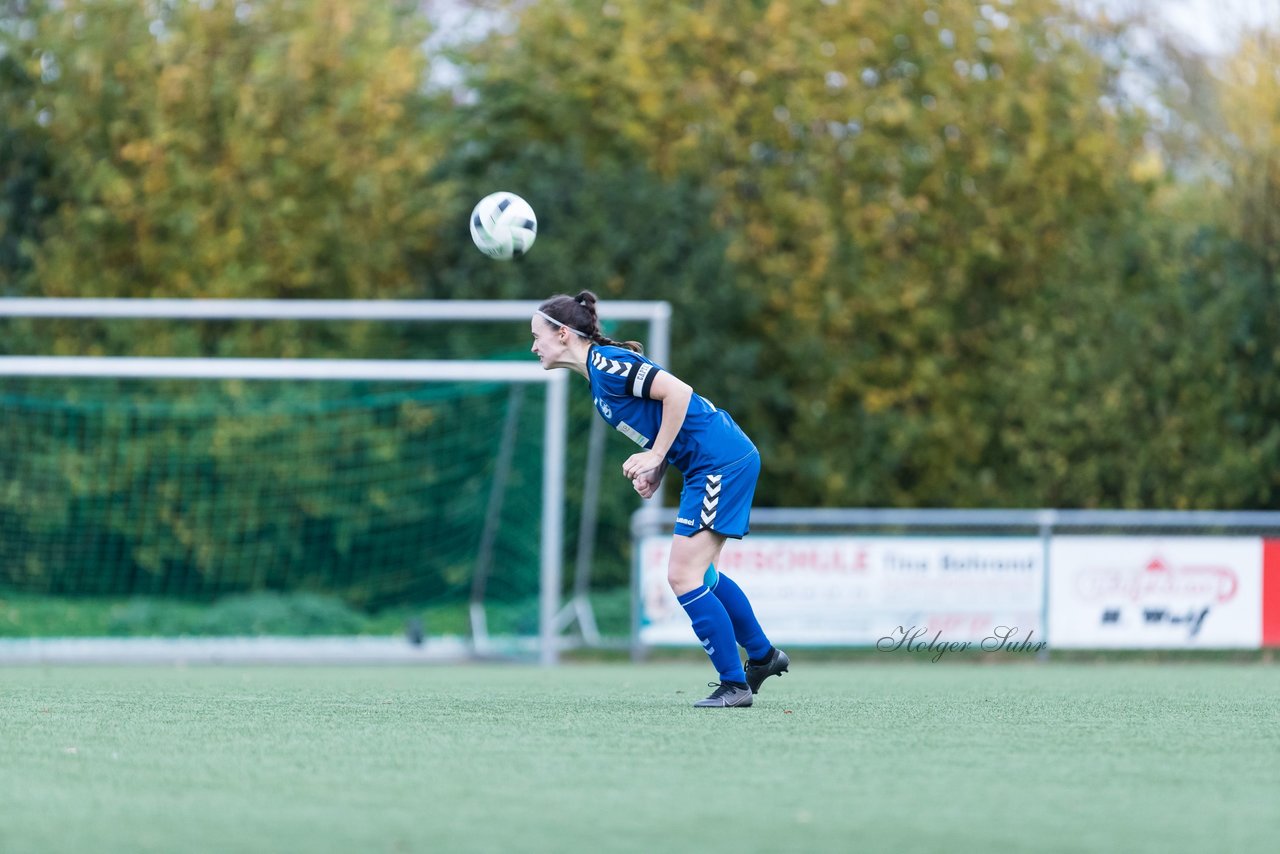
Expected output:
(1158, 579)
(802, 559)
(1271, 592)
(961, 625)
(790, 559)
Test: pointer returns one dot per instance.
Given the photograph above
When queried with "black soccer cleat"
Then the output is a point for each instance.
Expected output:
(726, 695)
(775, 665)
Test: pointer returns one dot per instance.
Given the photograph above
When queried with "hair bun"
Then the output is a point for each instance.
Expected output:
(585, 298)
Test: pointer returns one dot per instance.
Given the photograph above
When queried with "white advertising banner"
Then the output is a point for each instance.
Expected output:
(1155, 592)
(857, 591)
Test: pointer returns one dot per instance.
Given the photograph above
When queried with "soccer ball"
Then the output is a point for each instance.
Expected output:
(503, 226)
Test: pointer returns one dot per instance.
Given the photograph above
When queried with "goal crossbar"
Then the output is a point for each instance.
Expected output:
(280, 309)
(656, 313)
(374, 370)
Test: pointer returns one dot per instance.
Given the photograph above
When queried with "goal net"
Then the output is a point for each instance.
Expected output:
(259, 475)
(373, 491)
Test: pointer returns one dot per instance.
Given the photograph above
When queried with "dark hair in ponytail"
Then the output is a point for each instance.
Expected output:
(579, 314)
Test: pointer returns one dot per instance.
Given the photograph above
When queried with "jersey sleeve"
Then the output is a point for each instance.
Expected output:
(626, 375)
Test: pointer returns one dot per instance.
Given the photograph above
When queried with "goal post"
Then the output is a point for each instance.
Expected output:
(554, 616)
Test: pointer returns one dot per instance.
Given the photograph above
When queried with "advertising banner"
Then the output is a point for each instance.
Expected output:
(857, 591)
(1155, 592)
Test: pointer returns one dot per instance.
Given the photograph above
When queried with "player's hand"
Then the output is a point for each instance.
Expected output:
(641, 464)
(647, 484)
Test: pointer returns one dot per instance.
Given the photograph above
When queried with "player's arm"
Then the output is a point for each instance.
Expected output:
(675, 395)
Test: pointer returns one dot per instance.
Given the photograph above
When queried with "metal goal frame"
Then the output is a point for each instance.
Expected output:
(555, 617)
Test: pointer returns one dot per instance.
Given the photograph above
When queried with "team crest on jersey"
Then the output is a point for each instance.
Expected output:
(604, 408)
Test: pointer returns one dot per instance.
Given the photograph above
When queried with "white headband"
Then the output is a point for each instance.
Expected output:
(555, 322)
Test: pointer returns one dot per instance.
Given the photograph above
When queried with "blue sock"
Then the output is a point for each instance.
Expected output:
(713, 627)
(746, 628)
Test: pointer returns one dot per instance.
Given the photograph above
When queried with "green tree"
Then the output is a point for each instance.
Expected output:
(24, 160)
(1248, 87)
(271, 149)
(1195, 344)
(910, 193)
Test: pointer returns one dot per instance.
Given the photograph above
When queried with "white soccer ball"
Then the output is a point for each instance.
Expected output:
(503, 226)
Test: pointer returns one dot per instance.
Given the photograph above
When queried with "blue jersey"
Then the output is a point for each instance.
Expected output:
(621, 381)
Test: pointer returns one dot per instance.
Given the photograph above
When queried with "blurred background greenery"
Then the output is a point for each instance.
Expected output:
(934, 253)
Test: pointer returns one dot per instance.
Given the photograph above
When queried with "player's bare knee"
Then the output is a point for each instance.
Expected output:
(690, 557)
(683, 578)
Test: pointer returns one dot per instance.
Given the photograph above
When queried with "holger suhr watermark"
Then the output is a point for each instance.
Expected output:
(916, 639)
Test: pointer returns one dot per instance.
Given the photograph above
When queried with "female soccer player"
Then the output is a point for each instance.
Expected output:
(675, 426)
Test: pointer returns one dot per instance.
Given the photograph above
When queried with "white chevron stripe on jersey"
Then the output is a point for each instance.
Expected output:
(610, 366)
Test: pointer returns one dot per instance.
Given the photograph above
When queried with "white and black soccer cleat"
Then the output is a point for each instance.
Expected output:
(727, 695)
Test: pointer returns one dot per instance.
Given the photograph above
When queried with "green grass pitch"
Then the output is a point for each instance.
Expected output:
(895, 757)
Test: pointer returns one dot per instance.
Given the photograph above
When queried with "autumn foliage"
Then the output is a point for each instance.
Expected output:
(931, 253)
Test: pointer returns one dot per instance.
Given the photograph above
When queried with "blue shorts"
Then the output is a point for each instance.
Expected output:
(719, 499)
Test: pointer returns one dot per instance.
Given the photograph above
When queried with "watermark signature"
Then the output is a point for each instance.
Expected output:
(916, 639)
